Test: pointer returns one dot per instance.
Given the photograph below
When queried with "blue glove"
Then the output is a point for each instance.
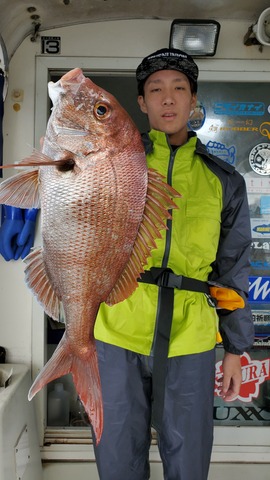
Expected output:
(11, 225)
(17, 232)
(26, 238)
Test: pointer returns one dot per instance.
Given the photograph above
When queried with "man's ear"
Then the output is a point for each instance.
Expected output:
(141, 103)
(194, 101)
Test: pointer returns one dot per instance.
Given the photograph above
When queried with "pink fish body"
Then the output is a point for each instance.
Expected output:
(101, 210)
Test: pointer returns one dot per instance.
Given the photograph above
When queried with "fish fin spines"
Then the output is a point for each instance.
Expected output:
(21, 190)
(37, 280)
(158, 202)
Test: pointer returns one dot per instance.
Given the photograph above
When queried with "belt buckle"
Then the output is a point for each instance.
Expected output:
(163, 279)
(212, 302)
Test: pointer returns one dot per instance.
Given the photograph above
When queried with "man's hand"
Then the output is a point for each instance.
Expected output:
(232, 377)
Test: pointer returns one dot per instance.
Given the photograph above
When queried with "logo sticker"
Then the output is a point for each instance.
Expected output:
(197, 117)
(254, 373)
(259, 265)
(227, 154)
(259, 290)
(265, 129)
(261, 317)
(259, 158)
(260, 245)
(258, 185)
(261, 229)
(239, 108)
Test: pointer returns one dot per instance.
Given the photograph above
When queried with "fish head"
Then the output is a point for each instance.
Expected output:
(87, 121)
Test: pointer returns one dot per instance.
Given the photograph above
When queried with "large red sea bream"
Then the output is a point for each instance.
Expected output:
(101, 210)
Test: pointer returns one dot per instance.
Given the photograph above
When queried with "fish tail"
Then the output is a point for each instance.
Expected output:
(87, 383)
(86, 379)
(58, 365)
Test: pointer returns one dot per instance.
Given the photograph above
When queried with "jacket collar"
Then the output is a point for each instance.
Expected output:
(201, 150)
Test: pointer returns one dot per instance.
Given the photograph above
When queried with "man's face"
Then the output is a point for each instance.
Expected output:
(168, 102)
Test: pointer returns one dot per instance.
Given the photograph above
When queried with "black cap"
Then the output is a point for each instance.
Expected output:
(168, 59)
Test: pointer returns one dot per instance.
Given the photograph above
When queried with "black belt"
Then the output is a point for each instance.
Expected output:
(167, 281)
(164, 277)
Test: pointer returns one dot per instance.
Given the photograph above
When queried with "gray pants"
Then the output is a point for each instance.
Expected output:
(185, 443)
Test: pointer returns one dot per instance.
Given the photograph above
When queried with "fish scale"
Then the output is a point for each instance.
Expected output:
(101, 211)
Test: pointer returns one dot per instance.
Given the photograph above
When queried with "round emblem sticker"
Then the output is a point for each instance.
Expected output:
(197, 117)
(259, 158)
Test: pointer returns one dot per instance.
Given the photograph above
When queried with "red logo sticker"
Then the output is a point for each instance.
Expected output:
(254, 373)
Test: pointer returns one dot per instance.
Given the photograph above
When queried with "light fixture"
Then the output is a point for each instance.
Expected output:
(198, 38)
(259, 33)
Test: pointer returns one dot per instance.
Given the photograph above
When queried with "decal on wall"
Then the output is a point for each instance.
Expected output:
(260, 245)
(265, 129)
(258, 185)
(260, 228)
(197, 117)
(50, 45)
(239, 108)
(254, 373)
(259, 290)
(228, 154)
(259, 158)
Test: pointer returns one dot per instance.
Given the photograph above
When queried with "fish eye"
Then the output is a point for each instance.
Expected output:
(101, 111)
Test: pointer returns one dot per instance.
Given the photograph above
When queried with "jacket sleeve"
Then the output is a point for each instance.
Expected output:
(231, 267)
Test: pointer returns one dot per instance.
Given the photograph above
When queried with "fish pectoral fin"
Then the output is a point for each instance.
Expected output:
(38, 281)
(156, 213)
(39, 159)
(21, 190)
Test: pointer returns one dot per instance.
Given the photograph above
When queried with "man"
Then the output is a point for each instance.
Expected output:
(146, 379)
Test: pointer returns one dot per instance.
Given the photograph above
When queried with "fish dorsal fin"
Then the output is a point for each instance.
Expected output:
(158, 202)
(37, 280)
(21, 190)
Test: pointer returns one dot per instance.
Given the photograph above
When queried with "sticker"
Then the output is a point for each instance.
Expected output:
(261, 228)
(265, 129)
(259, 290)
(257, 185)
(227, 154)
(261, 245)
(239, 108)
(259, 159)
(261, 265)
(254, 373)
(197, 117)
(239, 129)
(51, 45)
(261, 317)
(265, 204)
(260, 258)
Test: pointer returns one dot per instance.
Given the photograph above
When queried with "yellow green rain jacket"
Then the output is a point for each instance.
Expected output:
(200, 244)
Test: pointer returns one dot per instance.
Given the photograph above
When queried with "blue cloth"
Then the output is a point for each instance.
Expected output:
(17, 232)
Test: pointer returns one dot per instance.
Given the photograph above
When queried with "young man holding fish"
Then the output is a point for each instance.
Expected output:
(156, 349)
